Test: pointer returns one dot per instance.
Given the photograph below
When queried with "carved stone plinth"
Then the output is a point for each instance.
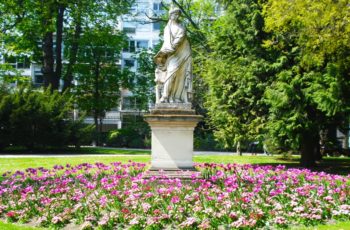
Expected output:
(172, 136)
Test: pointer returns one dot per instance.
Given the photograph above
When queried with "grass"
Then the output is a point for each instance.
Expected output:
(336, 226)
(245, 159)
(82, 150)
(12, 164)
(329, 164)
(9, 226)
(97, 150)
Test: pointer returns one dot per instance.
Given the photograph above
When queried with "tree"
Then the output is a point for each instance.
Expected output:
(98, 75)
(312, 91)
(237, 72)
(280, 75)
(40, 28)
(143, 89)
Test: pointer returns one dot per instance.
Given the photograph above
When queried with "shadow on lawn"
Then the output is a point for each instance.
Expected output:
(331, 165)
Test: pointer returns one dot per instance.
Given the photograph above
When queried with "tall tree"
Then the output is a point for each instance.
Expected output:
(313, 89)
(237, 72)
(98, 75)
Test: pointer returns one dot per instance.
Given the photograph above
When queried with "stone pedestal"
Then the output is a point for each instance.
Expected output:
(172, 128)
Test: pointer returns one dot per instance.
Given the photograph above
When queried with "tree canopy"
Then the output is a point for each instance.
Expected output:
(39, 28)
(276, 71)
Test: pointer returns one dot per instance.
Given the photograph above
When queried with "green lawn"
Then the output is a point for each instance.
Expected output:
(12, 164)
(9, 226)
(48, 162)
(336, 226)
(82, 150)
(329, 164)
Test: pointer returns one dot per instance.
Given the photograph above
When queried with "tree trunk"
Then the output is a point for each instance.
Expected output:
(309, 146)
(345, 143)
(59, 35)
(97, 135)
(48, 61)
(96, 100)
(238, 148)
(100, 129)
(68, 78)
(318, 154)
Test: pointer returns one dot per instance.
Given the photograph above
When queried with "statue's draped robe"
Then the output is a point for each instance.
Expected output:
(177, 69)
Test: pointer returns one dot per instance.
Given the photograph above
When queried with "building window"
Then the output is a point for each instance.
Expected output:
(129, 27)
(133, 9)
(142, 7)
(18, 62)
(157, 6)
(130, 103)
(143, 27)
(23, 63)
(129, 30)
(131, 47)
(38, 78)
(11, 60)
(129, 63)
(142, 44)
(156, 26)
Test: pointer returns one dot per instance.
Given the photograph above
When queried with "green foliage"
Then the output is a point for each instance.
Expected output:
(237, 72)
(312, 91)
(276, 71)
(206, 142)
(98, 75)
(143, 88)
(320, 28)
(30, 27)
(37, 119)
(135, 134)
(8, 74)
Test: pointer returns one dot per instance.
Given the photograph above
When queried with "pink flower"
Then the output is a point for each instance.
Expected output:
(205, 224)
(45, 201)
(175, 199)
(146, 207)
(56, 219)
(91, 186)
(188, 222)
(11, 214)
(104, 220)
(280, 220)
(103, 201)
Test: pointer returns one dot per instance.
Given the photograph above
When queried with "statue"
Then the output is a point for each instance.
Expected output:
(173, 73)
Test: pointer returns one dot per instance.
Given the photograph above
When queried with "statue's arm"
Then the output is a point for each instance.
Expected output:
(179, 37)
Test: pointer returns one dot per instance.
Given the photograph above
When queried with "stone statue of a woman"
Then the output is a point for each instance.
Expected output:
(174, 63)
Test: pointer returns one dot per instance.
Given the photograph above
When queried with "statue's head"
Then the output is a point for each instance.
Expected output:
(174, 13)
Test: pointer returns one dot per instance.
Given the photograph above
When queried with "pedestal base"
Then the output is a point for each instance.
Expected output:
(172, 137)
(188, 174)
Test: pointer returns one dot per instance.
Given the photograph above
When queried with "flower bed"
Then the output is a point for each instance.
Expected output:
(116, 195)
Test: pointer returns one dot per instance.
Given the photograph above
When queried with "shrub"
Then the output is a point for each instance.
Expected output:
(133, 135)
(39, 119)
